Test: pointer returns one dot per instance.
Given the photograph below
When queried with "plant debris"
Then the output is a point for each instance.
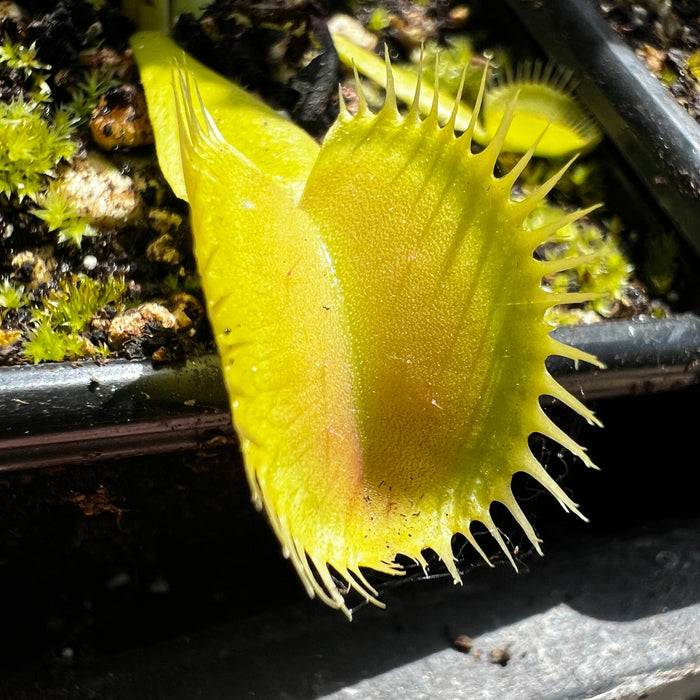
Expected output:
(499, 656)
(282, 51)
(463, 643)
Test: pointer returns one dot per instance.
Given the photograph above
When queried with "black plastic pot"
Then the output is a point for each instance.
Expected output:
(66, 413)
(659, 140)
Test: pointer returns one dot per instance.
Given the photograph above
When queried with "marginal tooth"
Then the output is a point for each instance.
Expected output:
(364, 583)
(557, 391)
(390, 105)
(452, 122)
(545, 232)
(551, 430)
(538, 472)
(573, 353)
(362, 107)
(520, 517)
(414, 110)
(534, 198)
(517, 170)
(436, 95)
(495, 533)
(468, 134)
(550, 267)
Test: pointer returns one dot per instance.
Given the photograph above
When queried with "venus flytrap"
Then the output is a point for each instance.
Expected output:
(275, 145)
(379, 313)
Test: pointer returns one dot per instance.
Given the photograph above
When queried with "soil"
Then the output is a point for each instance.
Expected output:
(95, 558)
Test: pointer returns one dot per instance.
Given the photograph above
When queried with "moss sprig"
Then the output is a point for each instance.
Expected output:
(62, 319)
(12, 296)
(44, 344)
(78, 300)
(61, 215)
(25, 68)
(89, 90)
(19, 57)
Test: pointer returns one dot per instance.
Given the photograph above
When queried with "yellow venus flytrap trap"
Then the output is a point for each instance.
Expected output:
(545, 105)
(379, 314)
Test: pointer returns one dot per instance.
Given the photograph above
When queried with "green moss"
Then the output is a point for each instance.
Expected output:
(62, 319)
(20, 57)
(11, 297)
(31, 146)
(35, 139)
(78, 300)
(378, 20)
(60, 215)
(89, 91)
(44, 344)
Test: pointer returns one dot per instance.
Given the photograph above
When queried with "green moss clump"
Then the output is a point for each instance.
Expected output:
(78, 300)
(12, 296)
(62, 319)
(32, 142)
(19, 57)
(36, 137)
(60, 215)
(44, 344)
(89, 91)
(31, 146)
(378, 20)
